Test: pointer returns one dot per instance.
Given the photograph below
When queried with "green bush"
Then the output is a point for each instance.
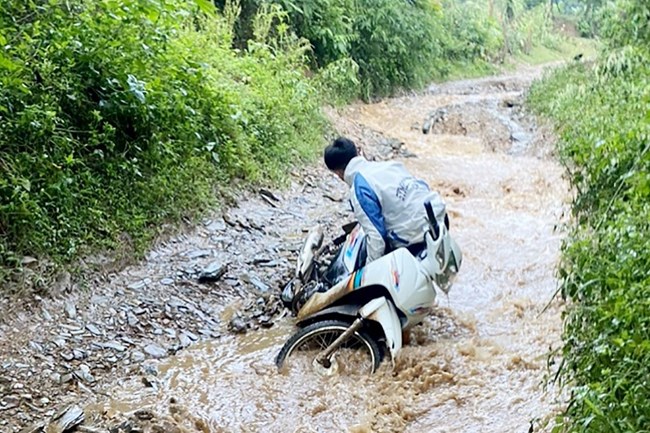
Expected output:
(116, 116)
(603, 118)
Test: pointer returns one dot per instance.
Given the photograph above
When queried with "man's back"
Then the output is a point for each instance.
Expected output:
(389, 201)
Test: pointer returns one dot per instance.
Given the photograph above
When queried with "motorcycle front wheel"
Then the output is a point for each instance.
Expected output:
(359, 354)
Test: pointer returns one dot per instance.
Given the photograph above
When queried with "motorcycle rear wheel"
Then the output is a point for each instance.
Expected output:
(359, 354)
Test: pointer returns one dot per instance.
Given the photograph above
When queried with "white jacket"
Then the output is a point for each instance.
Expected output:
(388, 202)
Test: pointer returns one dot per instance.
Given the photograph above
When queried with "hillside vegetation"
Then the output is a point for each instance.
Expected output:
(117, 116)
(602, 112)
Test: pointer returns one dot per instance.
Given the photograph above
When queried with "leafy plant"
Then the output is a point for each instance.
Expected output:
(116, 116)
(603, 116)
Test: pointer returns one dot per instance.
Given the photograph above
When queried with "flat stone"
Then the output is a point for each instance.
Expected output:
(131, 319)
(139, 285)
(238, 325)
(184, 340)
(213, 272)
(99, 300)
(70, 309)
(143, 414)
(66, 420)
(93, 329)
(167, 281)
(28, 260)
(155, 350)
(36, 346)
(216, 225)
(79, 354)
(191, 335)
(256, 282)
(114, 345)
(137, 356)
(197, 254)
(83, 373)
(66, 378)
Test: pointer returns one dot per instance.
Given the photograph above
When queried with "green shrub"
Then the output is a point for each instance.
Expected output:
(116, 116)
(603, 118)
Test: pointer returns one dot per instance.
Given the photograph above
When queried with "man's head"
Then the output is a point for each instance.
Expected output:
(338, 154)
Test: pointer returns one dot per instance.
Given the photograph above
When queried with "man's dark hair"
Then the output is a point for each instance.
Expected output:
(339, 153)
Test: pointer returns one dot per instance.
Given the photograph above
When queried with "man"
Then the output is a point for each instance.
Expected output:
(386, 199)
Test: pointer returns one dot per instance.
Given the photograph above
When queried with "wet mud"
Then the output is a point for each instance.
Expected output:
(480, 363)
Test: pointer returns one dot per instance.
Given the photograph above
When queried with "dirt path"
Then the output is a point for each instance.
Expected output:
(156, 339)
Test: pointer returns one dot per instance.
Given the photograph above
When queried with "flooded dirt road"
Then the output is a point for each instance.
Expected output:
(479, 364)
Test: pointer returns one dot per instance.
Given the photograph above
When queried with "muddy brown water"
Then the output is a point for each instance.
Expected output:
(479, 364)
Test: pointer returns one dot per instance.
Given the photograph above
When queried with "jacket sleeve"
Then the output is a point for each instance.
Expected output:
(367, 210)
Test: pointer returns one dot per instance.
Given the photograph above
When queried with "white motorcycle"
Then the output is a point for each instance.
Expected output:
(347, 313)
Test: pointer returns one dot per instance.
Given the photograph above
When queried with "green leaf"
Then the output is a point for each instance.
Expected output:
(206, 6)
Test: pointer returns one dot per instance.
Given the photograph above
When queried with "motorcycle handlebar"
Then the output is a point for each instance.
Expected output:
(432, 219)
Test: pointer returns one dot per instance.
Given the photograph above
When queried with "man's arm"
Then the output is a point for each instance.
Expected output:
(367, 210)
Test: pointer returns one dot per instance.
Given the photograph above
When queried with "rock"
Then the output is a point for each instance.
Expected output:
(271, 264)
(113, 345)
(62, 283)
(166, 427)
(67, 356)
(213, 272)
(155, 350)
(167, 281)
(28, 260)
(137, 356)
(83, 373)
(36, 346)
(99, 300)
(70, 309)
(269, 201)
(46, 314)
(9, 402)
(191, 335)
(230, 220)
(139, 285)
(93, 329)
(197, 254)
(259, 285)
(66, 420)
(237, 325)
(217, 225)
(131, 319)
(65, 378)
(144, 414)
(519, 137)
(150, 381)
(184, 340)
(79, 354)
(59, 342)
(265, 321)
(269, 194)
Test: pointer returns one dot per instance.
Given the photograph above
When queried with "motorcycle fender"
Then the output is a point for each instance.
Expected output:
(350, 310)
(383, 312)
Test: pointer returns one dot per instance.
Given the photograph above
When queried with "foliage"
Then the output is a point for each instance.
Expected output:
(116, 116)
(603, 116)
(375, 48)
